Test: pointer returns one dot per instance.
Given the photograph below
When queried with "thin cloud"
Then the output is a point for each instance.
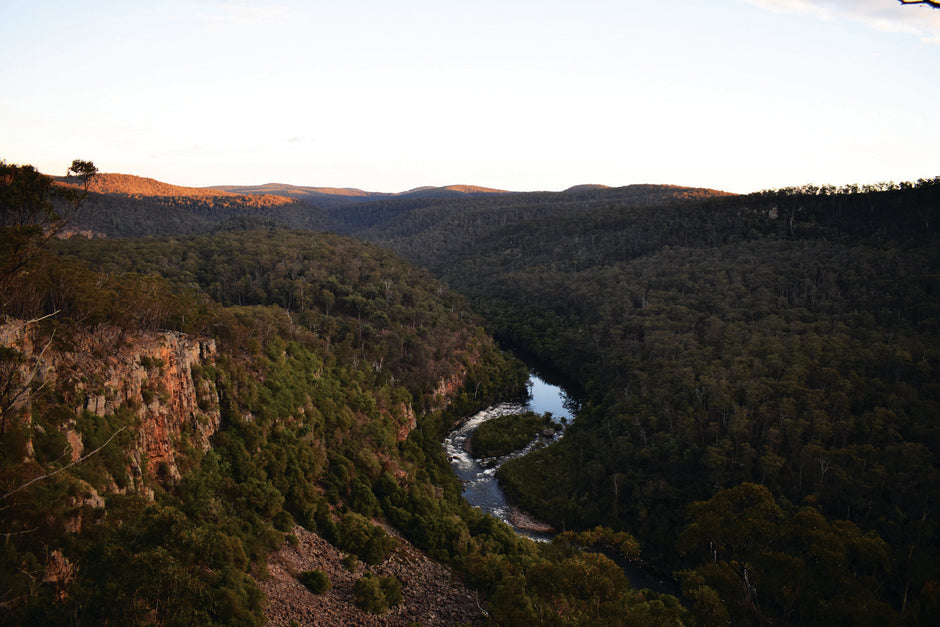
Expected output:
(884, 15)
(244, 14)
(794, 6)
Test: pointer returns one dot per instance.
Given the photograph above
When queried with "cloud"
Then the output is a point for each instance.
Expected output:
(243, 13)
(794, 6)
(884, 15)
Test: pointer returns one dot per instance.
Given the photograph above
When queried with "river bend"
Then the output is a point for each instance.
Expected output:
(479, 475)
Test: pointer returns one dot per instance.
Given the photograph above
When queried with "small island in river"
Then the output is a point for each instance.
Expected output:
(507, 434)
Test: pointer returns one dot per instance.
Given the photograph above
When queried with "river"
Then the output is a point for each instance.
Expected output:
(479, 475)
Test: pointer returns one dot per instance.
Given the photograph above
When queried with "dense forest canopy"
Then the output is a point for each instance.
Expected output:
(760, 378)
(321, 372)
(328, 349)
(783, 345)
(121, 205)
(130, 206)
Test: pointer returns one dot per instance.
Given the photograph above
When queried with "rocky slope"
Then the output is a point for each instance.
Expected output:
(431, 594)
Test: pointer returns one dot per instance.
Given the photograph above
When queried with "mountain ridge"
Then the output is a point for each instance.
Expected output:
(757, 376)
(126, 205)
(141, 186)
(331, 197)
(135, 185)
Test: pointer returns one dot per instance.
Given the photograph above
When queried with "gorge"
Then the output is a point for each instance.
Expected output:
(757, 377)
(478, 476)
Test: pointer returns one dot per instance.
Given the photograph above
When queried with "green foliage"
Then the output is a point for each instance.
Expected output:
(736, 357)
(387, 321)
(376, 594)
(162, 563)
(787, 339)
(344, 374)
(505, 434)
(791, 563)
(351, 562)
(315, 581)
(30, 217)
(619, 543)
(369, 542)
(576, 588)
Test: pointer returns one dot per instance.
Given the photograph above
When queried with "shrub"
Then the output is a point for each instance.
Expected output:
(368, 541)
(315, 581)
(368, 594)
(283, 521)
(391, 586)
(376, 594)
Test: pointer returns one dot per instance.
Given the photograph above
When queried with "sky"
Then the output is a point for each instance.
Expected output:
(739, 95)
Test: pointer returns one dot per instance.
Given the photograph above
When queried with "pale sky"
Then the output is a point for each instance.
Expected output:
(740, 95)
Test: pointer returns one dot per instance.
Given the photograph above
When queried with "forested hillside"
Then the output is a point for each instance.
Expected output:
(175, 411)
(310, 404)
(122, 205)
(426, 230)
(330, 198)
(761, 377)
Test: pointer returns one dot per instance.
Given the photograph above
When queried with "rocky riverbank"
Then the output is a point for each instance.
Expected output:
(520, 520)
(432, 596)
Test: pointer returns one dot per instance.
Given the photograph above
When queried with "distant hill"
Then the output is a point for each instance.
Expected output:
(331, 197)
(422, 229)
(321, 196)
(585, 188)
(452, 190)
(124, 205)
(139, 186)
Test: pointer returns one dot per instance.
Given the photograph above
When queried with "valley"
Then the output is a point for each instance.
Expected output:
(759, 413)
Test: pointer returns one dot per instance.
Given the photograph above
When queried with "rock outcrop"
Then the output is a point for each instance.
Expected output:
(159, 386)
(155, 375)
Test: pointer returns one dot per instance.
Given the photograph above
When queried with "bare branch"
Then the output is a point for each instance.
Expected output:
(24, 387)
(19, 533)
(28, 216)
(931, 3)
(66, 467)
(40, 319)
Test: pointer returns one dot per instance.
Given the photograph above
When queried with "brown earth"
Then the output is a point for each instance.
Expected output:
(432, 595)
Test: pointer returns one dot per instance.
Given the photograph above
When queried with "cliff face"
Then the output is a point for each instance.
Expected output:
(156, 377)
(448, 388)
(160, 379)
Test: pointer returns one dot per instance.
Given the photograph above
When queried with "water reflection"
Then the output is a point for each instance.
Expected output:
(479, 475)
(546, 397)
